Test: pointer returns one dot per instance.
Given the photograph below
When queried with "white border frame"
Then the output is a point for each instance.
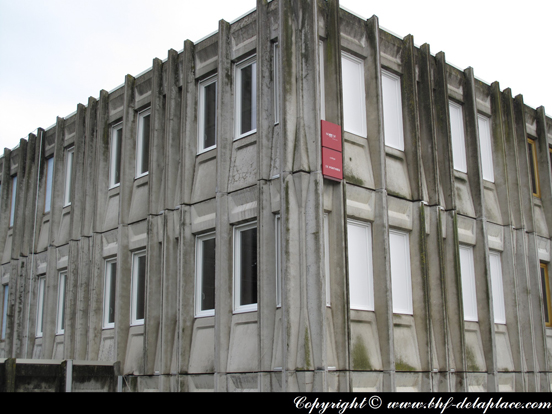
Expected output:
(201, 112)
(199, 313)
(368, 304)
(62, 283)
(13, 199)
(252, 307)
(41, 296)
(140, 143)
(133, 292)
(68, 178)
(48, 184)
(401, 308)
(252, 60)
(458, 137)
(391, 140)
(108, 275)
(5, 301)
(112, 159)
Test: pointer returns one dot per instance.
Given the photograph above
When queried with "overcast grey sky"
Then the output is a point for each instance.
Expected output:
(54, 54)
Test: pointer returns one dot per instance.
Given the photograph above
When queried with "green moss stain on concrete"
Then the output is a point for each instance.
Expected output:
(307, 350)
(361, 359)
(471, 360)
(400, 365)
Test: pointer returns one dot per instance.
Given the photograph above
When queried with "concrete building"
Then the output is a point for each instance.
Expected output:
(195, 226)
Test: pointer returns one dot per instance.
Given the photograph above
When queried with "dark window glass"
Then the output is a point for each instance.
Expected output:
(208, 275)
(248, 266)
(145, 144)
(118, 140)
(140, 287)
(210, 115)
(111, 298)
(248, 99)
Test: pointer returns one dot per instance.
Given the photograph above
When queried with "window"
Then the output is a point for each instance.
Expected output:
(68, 176)
(278, 226)
(547, 300)
(207, 117)
(245, 268)
(468, 283)
(497, 287)
(533, 166)
(60, 318)
(40, 306)
(142, 143)
(400, 272)
(49, 178)
(327, 259)
(110, 281)
(354, 105)
(392, 110)
(205, 275)
(457, 136)
(246, 97)
(321, 79)
(5, 310)
(361, 284)
(276, 70)
(13, 198)
(115, 155)
(138, 298)
(485, 147)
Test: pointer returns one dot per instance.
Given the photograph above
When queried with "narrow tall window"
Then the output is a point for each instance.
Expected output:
(457, 136)
(392, 110)
(361, 284)
(321, 79)
(276, 71)
(68, 196)
(205, 275)
(246, 97)
(13, 198)
(142, 143)
(400, 272)
(110, 281)
(245, 268)
(40, 306)
(138, 304)
(547, 300)
(49, 178)
(60, 317)
(278, 251)
(497, 288)
(485, 147)
(354, 104)
(327, 258)
(207, 117)
(533, 166)
(115, 155)
(468, 283)
(5, 296)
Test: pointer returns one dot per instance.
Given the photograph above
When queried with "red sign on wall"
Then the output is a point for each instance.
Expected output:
(332, 164)
(331, 135)
(332, 161)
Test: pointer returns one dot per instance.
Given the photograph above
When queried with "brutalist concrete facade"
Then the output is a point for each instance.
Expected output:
(302, 334)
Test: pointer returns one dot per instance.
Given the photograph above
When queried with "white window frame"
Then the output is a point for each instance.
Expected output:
(115, 156)
(401, 277)
(5, 301)
(41, 296)
(278, 258)
(134, 319)
(321, 80)
(13, 199)
(499, 308)
(140, 144)
(238, 116)
(201, 113)
(200, 240)
(238, 307)
(69, 163)
(458, 137)
(361, 272)
(327, 259)
(469, 293)
(392, 110)
(486, 147)
(354, 96)
(276, 71)
(60, 314)
(109, 292)
(48, 184)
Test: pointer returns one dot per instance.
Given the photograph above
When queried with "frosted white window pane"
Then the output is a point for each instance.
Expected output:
(497, 288)
(468, 283)
(60, 319)
(40, 306)
(392, 110)
(13, 198)
(400, 272)
(486, 148)
(361, 288)
(457, 135)
(354, 112)
(68, 175)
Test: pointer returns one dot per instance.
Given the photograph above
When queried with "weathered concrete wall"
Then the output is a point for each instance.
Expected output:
(302, 335)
